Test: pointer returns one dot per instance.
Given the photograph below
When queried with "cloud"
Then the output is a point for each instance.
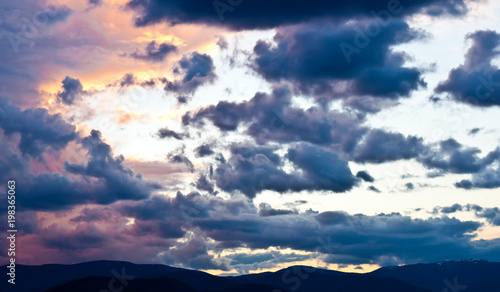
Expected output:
(62, 43)
(259, 14)
(492, 215)
(167, 133)
(474, 131)
(337, 236)
(322, 167)
(332, 218)
(204, 150)
(194, 254)
(155, 52)
(195, 70)
(266, 210)
(409, 186)
(331, 58)
(181, 158)
(452, 209)
(364, 175)
(485, 179)
(95, 3)
(91, 215)
(129, 79)
(72, 89)
(103, 180)
(38, 129)
(252, 170)
(271, 117)
(222, 43)
(333, 236)
(379, 146)
(204, 184)
(62, 13)
(477, 81)
(455, 158)
(353, 239)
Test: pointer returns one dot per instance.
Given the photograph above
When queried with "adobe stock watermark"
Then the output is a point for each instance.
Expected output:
(484, 90)
(12, 230)
(119, 282)
(221, 7)
(30, 28)
(371, 30)
(294, 277)
(453, 287)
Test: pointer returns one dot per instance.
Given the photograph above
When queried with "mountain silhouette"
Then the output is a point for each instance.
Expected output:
(456, 276)
(472, 274)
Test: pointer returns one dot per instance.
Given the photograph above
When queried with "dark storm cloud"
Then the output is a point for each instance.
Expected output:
(193, 254)
(474, 131)
(167, 133)
(322, 167)
(271, 117)
(332, 218)
(39, 130)
(72, 89)
(155, 52)
(485, 179)
(379, 146)
(492, 215)
(451, 209)
(477, 81)
(337, 236)
(245, 263)
(266, 210)
(353, 239)
(196, 70)
(120, 181)
(103, 180)
(172, 217)
(95, 3)
(455, 158)
(373, 189)
(251, 172)
(11, 163)
(260, 14)
(321, 58)
(204, 150)
(129, 79)
(181, 158)
(364, 175)
(204, 184)
(91, 215)
(409, 186)
(75, 239)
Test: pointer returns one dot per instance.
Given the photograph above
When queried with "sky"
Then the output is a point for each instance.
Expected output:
(246, 136)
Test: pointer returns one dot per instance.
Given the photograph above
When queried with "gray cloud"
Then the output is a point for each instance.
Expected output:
(195, 70)
(155, 52)
(38, 129)
(476, 82)
(72, 89)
